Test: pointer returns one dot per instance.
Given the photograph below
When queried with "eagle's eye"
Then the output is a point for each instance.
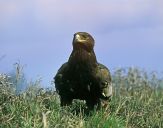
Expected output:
(85, 36)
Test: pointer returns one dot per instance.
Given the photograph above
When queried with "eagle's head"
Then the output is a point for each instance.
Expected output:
(83, 40)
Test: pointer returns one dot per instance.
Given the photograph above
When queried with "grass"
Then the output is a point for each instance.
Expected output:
(137, 103)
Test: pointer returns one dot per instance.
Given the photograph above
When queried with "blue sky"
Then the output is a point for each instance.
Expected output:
(39, 33)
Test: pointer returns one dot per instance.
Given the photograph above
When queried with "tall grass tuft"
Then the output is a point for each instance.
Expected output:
(137, 103)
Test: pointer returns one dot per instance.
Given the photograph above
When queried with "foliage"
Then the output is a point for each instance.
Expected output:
(137, 103)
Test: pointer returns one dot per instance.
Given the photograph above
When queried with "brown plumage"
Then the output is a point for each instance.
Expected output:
(82, 77)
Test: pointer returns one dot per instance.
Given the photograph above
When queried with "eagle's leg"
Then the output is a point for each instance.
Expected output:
(103, 104)
(65, 101)
(91, 103)
(97, 104)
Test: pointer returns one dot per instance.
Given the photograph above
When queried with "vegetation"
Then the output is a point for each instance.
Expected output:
(137, 103)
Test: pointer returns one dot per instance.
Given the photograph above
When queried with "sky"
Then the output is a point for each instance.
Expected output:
(39, 33)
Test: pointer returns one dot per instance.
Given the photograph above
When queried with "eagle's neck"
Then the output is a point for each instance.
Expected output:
(82, 60)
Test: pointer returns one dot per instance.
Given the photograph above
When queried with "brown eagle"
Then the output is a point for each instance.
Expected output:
(82, 77)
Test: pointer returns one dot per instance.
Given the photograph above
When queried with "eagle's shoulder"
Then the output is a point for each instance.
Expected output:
(103, 72)
(61, 72)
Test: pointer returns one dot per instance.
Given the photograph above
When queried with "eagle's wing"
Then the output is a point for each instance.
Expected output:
(60, 78)
(105, 82)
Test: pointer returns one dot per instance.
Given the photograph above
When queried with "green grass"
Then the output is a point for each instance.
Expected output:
(137, 103)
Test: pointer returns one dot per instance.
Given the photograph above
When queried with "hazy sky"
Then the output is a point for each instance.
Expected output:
(39, 33)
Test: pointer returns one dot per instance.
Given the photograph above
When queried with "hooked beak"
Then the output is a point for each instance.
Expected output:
(79, 39)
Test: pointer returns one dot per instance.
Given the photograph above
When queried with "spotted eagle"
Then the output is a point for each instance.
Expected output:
(82, 77)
